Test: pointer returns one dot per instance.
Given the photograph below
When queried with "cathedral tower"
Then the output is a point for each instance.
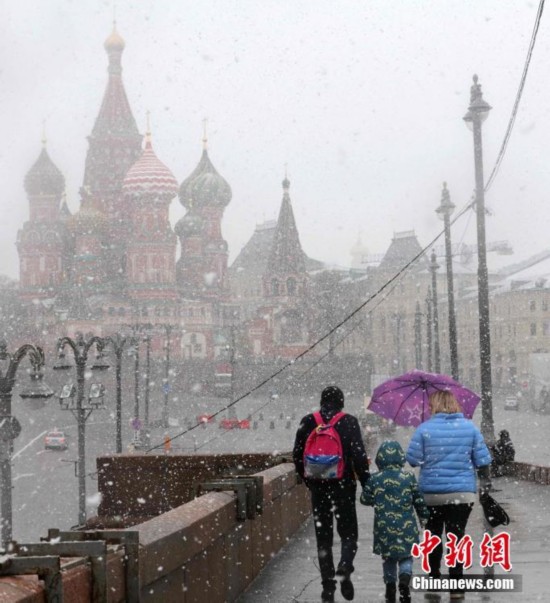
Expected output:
(286, 275)
(114, 146)
(148, 188)
(42, 241)
(202, 267)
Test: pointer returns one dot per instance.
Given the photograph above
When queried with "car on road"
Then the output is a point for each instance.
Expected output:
(234, 424)
(511, 403)
(55, 440)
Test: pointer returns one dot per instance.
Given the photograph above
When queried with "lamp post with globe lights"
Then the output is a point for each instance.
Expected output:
(83, 406)
(10, 427)
(119, 343)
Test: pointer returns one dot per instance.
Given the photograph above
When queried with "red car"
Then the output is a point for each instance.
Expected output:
(55, 440)
(230, 423)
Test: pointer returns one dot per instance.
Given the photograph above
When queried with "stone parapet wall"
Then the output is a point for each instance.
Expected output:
(197, 551)
(528, 472)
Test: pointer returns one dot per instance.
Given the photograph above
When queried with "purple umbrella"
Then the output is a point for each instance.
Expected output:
(404, 399)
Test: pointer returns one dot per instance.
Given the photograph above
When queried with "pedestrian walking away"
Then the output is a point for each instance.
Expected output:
(329, 456)
(448, 448)
(395, 496)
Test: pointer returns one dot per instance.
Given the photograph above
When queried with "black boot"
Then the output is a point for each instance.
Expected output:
(404, 590)
(329, 588)
(327, 596)
(346, 585)
(390, 592)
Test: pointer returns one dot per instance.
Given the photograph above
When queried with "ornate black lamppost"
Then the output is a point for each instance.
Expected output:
(478, 112)
(444, 211)
(81, 408)
(119, 343)
(166, 386)
(147, 340)
(10, 427)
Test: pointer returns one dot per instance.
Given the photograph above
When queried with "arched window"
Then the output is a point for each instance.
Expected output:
(292, 325)
(291, 286)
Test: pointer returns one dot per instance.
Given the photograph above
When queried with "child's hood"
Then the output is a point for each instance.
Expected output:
(390, 454)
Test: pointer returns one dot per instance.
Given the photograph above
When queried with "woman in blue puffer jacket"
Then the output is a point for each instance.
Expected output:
(448, 449)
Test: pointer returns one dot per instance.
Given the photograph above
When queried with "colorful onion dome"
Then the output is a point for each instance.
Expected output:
(149, 176)
(114, 41)
(44, 177)
(191, 224)
(90, 219)
(205, 187)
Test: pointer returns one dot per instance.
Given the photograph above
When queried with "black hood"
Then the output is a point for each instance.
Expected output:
(332, 401)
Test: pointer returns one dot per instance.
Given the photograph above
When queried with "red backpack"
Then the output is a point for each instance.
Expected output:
(323, 453)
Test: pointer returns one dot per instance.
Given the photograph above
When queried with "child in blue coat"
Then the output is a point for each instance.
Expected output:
(394, 494)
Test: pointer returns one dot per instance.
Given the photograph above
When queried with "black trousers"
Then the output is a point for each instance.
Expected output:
(451, 518)
(329, 501)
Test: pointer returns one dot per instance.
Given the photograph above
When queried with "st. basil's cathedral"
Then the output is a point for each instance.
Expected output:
(112, 264)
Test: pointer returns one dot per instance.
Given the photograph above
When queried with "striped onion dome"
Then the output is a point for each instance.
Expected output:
(149, 176)
(90, 219)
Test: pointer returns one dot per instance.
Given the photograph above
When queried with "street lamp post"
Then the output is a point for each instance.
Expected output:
(397, 363)
(476, 115)
(118, 343)
(444, 211)
(418, 337)
(10, 427)
(166, 384)
(437, 352)
(147, 340)
(429, 330)
(135, 352)
(81, 348)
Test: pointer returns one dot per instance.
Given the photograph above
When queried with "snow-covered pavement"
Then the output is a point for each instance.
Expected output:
(292, 576)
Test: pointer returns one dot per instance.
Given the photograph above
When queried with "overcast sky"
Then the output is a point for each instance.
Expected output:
(363, 99)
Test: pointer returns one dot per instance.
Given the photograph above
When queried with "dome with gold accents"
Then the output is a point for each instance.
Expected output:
(89, 219)
(114, 41)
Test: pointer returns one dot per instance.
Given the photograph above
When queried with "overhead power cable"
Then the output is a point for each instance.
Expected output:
(353, 313)
(512, 120)
(411, 262)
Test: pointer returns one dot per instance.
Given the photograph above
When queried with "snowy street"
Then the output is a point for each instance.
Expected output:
(45, 486)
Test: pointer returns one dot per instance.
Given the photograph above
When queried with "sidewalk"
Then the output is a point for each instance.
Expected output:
(292, 576)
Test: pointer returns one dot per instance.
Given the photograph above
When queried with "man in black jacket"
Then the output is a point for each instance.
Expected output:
(335, 498)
